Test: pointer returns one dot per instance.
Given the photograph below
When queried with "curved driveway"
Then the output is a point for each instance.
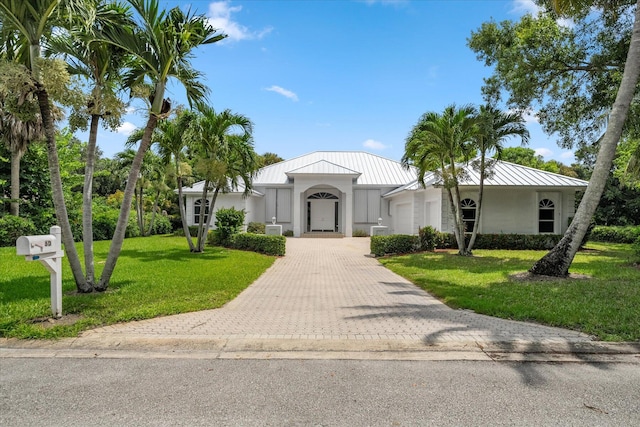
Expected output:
(327, 294)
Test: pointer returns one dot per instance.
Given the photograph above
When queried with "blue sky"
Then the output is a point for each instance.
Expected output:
(341, 75)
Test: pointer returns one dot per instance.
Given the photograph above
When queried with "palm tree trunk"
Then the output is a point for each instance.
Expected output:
(559, 259)
(209, 218)
(125, 209)
(87, 203)
(15, 182)
(153, 214)
(56, 189)
(138, 198)
(203, 211)
(474, 234)
(454, 214)
(183, 214)
(461, 237)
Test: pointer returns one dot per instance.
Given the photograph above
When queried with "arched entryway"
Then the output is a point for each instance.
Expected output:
(323, 212)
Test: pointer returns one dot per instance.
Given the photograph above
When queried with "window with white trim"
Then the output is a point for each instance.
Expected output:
(197, 208)
(546, 215)
(468, 207)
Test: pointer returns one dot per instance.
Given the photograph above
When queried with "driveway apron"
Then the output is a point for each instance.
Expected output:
(328, 290)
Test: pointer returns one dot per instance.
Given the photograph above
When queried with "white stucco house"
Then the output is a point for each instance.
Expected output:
(342, 191)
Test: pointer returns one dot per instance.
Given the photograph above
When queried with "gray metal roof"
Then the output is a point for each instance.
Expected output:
(504, 174)
(510, 175)
(373, 169)
(199, 186)
(323, 167)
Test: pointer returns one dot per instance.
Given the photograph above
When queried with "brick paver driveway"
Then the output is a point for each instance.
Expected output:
(328, 290)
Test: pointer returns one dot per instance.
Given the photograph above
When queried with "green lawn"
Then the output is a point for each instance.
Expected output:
(607, 305)
(155, 276)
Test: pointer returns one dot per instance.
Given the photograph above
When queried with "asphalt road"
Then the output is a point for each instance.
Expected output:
(192, 392)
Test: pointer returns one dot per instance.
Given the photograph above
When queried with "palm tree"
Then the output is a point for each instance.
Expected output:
(171, 146)
(34, 21)
(224, 158)
(437, 143)
(101, 64)
(18, 133)
(161, 46)
(559, 259)
(495, 127)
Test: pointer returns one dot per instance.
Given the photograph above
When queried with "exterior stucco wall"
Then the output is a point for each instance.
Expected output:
(226, 201)
(515, 210)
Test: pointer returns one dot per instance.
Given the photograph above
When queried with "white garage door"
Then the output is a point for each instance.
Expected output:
(403, 223)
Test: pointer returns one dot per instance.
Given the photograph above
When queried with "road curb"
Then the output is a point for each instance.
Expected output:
(204, 347)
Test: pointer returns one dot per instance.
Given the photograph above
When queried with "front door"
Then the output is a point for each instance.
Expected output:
(323, 215)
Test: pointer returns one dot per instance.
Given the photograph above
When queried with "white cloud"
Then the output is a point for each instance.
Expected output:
(220, 17)
(567, 155)
(544, 152)
(126, 128)
(372, 144)
(284, 92)
(524, 7)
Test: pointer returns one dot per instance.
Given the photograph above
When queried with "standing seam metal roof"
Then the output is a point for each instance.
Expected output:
(505, 174)
(374, 170)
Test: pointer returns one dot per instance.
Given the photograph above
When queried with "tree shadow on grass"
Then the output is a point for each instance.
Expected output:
(30, 288)
(173, 254)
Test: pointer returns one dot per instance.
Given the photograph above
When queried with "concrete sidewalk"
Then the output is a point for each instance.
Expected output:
(325, 296)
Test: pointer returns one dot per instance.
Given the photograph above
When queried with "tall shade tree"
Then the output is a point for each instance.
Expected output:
(33, 22)
(437, 143)
(226, 158)
(559, 259)
(101, 65)
(495, 127)
(581, 78)
(162, 45)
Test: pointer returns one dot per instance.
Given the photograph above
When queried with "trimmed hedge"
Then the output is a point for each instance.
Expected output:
(430, 239)
(614, 234)
(394, 244)
(516, 241)
(256, 227)
(261, 243)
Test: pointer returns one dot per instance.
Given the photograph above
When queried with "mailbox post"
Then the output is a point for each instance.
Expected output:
(48, 250)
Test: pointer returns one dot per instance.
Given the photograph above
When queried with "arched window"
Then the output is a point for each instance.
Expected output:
(546, 214)
(197, 208)
(468, 207)
(323, 196)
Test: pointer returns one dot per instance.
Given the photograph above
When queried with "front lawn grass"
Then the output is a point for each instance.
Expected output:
(155, 276)
(607, 305)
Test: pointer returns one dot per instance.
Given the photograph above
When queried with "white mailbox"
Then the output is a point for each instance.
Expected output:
(38, 246)
(48, 250)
